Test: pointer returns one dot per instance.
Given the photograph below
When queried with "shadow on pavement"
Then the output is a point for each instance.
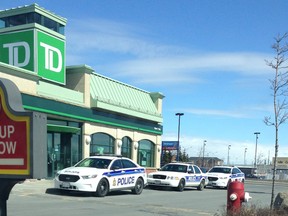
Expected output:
(58, 192)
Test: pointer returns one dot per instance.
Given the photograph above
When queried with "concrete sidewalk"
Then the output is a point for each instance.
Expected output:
(33, 186)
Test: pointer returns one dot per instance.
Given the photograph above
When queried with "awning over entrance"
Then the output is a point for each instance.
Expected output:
(62, 128)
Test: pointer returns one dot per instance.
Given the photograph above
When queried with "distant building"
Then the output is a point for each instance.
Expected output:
(208, 162)
(281, 161)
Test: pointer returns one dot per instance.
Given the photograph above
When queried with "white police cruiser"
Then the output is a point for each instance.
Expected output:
(179, 176)
(102, 174)
(221, 176)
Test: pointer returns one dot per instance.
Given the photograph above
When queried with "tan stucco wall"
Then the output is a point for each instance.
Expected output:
(24, 85)
(118, 134)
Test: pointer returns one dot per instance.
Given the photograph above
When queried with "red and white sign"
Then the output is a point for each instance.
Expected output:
(14, 141)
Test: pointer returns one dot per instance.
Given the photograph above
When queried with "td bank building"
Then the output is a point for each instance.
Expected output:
(87, 113)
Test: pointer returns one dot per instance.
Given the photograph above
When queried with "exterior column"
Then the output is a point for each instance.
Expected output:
(117, 146)
(86, 145)
(135, 146)
(157, 156)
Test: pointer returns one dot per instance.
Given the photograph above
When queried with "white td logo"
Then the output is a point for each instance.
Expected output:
(49, 53)
(13, 49)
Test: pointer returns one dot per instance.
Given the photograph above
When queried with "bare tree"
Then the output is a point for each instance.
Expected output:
(260, 159)
(278, 86)
(166, 157)
(200, 157)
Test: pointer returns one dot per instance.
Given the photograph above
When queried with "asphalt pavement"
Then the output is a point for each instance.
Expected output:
(34, 186)
(38, 197)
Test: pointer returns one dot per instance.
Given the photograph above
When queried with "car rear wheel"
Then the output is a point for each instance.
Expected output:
(181, 185)
(138, 186)
(102, 188)
(201, 185)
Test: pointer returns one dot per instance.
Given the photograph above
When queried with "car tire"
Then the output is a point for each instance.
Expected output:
(102, 188)
(181, 185)
(201, 185)
(138, 186)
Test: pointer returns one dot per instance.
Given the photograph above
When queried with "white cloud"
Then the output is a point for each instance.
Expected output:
(223, 113)
(246, 63)
(142, 57)
(114, 37)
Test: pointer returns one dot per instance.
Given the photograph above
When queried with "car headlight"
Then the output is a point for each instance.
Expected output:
(172, 178)
(89, 176)
(150, 176)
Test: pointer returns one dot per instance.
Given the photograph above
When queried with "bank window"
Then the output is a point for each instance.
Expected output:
(17, 20)
(126, 147)
(146, 153)
(2, 23)
(102, 143)
(22, 19)
(33, 18)
(51, 24)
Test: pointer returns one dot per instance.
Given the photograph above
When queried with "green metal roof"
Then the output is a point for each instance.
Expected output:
(110, 94)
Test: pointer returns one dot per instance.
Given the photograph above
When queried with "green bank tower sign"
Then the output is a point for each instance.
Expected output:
(36, 51)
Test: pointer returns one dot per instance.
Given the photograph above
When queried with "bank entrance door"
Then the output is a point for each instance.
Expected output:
(63, 151)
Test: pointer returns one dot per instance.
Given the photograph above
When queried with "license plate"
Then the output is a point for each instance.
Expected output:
(158, 182)
(65, 184)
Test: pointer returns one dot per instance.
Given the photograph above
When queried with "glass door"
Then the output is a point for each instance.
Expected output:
(59, 152)
(53, 143)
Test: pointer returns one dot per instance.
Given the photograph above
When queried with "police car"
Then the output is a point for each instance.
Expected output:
(102, 174)
(221, 176)
(179, 176)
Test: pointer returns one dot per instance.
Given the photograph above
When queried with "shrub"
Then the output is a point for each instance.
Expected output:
(253, 210)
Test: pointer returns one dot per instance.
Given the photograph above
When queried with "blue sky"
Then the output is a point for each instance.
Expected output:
(206, 57)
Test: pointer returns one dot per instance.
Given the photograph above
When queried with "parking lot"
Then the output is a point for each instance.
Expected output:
(39, 198)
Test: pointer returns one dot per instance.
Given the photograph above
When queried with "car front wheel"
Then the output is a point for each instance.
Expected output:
(102, 188)
(201, 185)
(138, 186)
(181, 185)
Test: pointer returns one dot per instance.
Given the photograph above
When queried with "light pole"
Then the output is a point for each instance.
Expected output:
(245, 151)
(204, 144)
(228, 162)
(178, 144)
(255, 159)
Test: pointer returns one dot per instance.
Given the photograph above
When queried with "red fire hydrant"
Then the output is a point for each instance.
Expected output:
(235, 196)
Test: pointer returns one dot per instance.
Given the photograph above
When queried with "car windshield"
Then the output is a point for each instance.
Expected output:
(174, 168)
(203, 170)
(220, 170)
(99, 163)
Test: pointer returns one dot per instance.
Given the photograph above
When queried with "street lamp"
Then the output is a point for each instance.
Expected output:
(255, 162)
(204, 144)
(228, 162)
(178, 144)
(245, 151)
